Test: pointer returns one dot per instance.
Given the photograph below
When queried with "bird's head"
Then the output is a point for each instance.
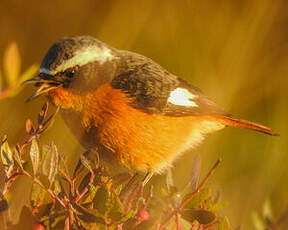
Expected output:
(75, 64)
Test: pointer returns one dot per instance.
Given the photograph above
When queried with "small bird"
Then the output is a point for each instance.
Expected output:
(129, 108)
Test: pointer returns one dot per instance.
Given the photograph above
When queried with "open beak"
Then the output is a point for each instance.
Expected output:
(44, 85)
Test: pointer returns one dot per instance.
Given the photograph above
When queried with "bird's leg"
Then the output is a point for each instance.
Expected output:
(79, 163)
(128, 186)
(134, 189)
(147, 178)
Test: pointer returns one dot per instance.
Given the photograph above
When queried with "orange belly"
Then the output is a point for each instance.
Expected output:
(137, 140)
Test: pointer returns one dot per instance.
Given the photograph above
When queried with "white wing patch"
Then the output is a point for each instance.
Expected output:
(182, 97)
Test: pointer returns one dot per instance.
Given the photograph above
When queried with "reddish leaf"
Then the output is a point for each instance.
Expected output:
(43, 113)
(30, 127)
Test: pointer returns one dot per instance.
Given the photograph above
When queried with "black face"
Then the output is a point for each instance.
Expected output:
(63, 78)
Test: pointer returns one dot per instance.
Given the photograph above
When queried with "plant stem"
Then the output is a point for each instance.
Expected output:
(191, 195)
(51, 193)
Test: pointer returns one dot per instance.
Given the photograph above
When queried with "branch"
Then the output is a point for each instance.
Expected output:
(191, 195)
(51, 193)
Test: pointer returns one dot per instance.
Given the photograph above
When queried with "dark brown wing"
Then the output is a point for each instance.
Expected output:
(151, 86)
(156, 91)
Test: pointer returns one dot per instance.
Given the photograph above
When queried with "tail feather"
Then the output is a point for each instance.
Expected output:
(234, 122)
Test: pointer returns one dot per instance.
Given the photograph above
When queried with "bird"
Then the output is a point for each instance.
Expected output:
(130, 109)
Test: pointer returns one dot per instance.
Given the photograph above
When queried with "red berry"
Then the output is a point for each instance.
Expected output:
(144, 214)
(38, 227)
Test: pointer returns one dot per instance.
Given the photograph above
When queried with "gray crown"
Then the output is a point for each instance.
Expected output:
(66, 48)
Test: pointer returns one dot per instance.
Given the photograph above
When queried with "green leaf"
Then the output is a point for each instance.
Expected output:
(88, 215)
(199, 198)
(58, 222)
(6, 153)
(5, 160)
(12, 63)
(224, 224)
(37, 195)
(101, 199)
(185, 224)
(127, 216)
(90, 195)
(58, 188)
(17, 158)
(50, 162)
(35, 156)
(115, 207)
(202, 216)
(217, 206)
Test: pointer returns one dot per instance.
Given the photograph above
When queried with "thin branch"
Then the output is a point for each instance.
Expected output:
(51, 193)
(178, 225)
(210, 173)
(84, 192)
(191, 195)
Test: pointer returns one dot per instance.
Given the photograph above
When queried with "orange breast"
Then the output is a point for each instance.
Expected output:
(138, 140)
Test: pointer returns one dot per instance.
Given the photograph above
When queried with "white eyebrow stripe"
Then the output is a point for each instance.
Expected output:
(85, 56)
(182, 97)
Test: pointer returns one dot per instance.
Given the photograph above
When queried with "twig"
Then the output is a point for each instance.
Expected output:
(178, 225)
(191, 195)
(211, 226)
(210, 173)
(9, 181)
(51, 193)
(84, 192)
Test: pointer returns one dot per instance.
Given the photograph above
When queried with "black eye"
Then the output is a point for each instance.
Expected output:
(70, 73)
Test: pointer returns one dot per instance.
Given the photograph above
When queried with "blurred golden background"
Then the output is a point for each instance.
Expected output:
(234, 50)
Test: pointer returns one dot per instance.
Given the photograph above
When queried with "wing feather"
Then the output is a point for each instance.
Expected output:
(155, 90)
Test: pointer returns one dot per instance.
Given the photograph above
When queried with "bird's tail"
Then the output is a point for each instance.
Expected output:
(234, 122)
